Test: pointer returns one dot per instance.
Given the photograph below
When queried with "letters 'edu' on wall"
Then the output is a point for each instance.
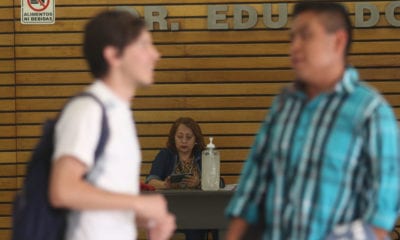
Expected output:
(222, 64)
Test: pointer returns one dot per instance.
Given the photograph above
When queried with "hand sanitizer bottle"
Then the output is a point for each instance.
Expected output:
(210, 175)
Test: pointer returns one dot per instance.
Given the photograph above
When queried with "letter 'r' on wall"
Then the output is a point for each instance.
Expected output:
(156, 14)
(372, 20)
(390, 13)
(282, 17)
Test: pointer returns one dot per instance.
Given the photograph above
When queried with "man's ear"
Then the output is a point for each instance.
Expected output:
(341, 41)
(111, 55)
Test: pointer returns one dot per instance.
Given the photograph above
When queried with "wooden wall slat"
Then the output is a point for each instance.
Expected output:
(231, 155)
(150, 142)
(348, 4)
(5, 222)
(162, 90)
(378, 34)
(202, 63)
(6, 26)
(185, 24)
(7, 183)
(165, 116)
(199, 76)
(8, 170)
(7, 105)
(174, 103)
(6, 13)
(7, 118)
(54, 78)
(6, 3)
(229, 179)
(6, 39)
(7, 144)
(6, 52)
(157, 129)
(7, 157)
(187, 50)
(7, 196)
(7, 66)
(66, 12)
(7, 78)
(188, 89)
(5, 234)
(7, 92)
(5, 209)
(226, 168)
(226, 116)
(145, 2)
(162, 103)
(162, 2)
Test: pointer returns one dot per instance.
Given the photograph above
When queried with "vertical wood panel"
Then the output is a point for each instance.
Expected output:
(8, 137)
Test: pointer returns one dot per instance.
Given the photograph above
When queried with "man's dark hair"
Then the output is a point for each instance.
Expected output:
(110, 28)
(336, 16)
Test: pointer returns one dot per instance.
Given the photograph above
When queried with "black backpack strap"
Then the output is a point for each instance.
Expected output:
(105, 131)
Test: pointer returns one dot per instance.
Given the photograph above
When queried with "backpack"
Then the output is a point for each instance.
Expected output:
(33, 216)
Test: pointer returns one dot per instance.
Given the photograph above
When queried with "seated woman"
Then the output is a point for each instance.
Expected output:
(182, 156)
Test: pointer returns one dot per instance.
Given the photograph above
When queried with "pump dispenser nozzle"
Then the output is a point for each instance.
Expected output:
(211, 144)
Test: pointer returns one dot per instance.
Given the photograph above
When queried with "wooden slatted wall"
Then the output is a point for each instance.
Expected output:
(8, 180)
(223, 79)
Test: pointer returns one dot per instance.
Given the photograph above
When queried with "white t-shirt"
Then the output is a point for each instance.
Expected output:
(117, 170)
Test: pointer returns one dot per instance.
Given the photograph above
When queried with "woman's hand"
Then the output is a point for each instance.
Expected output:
(159, 184)
(167, 182)
(191, 181)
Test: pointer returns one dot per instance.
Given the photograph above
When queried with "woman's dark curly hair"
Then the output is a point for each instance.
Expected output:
(194, 126)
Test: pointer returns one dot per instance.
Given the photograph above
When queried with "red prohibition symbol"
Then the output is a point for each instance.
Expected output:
(38, 5)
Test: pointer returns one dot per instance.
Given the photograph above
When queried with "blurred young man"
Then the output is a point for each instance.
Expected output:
(327, 154)
(122, 57)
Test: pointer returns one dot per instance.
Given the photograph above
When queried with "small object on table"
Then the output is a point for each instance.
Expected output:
(146, 187)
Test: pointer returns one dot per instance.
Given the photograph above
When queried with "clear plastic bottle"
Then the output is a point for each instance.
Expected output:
(210, 175)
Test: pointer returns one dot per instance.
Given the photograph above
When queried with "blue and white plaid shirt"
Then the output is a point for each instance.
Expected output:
(316, 164)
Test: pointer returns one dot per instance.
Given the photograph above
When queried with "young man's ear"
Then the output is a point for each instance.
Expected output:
(111, 55)
(341, 41)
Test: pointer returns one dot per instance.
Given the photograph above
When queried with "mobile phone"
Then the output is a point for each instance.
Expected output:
(176, 178)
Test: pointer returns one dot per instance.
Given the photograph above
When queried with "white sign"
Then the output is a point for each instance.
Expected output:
(38, 11)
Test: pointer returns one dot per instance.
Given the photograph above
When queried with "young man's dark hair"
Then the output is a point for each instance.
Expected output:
(111, 28)
(335, 16)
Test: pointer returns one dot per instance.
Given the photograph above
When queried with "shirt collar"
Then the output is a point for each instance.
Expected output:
(109, 98)
(345, 85)
(348, 82)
